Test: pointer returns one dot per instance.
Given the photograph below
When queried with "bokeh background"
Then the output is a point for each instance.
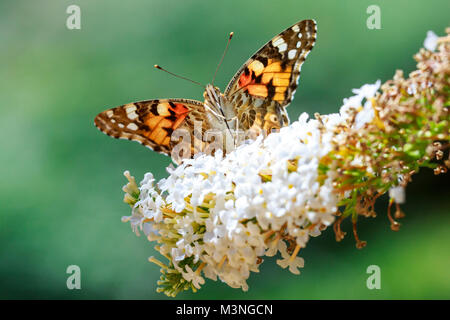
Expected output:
(61, 179)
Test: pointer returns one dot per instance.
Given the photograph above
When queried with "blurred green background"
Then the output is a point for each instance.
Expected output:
(61, 179)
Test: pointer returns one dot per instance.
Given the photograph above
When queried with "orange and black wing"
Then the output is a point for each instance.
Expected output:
(262, 88)
(153, 123)
(272, 73)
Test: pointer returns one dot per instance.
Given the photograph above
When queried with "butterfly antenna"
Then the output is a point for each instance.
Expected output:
(223, 56)
(181, 77)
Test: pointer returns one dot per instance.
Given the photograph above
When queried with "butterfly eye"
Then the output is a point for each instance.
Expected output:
(273, 118)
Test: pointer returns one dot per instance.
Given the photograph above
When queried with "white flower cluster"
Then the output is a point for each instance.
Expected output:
(222, 214)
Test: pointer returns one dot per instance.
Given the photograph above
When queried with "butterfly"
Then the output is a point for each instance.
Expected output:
(253, 103)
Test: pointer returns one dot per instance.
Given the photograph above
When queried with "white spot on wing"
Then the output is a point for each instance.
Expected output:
(292, 53)
(130, 108)
(132, 126)
(299, 44)
(296, 28)
(282, 47)
(109, 113)
(277, 41)
(300, 35)
(132, 115)
(121, 125)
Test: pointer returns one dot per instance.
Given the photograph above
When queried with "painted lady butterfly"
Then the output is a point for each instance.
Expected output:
(254, 102)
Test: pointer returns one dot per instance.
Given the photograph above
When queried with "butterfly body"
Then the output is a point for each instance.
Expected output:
(253, 103)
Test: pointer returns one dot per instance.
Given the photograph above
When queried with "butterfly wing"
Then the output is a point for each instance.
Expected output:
(266, 83)
(166, 125)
